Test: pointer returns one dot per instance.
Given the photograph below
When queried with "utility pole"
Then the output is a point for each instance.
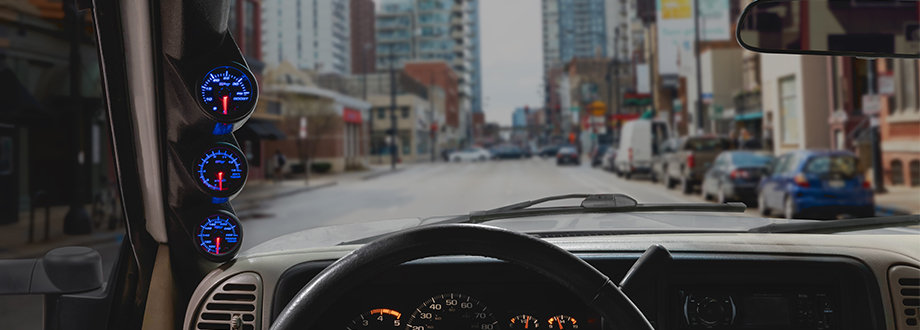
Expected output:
(393, 148)
(878, 178)
(616, 78)
(77, 220)
(432, 132)
(370, 113)
(699, 77)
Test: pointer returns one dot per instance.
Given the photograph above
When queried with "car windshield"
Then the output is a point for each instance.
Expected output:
(744, 159)
(830, 165)
(413, 110)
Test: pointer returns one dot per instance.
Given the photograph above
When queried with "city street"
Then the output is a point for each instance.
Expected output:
(423, 190)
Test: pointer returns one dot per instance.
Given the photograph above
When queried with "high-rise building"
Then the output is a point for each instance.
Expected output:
(581, 29)
(432, 30)
(363, 43)
(311, 34)
(477, 55)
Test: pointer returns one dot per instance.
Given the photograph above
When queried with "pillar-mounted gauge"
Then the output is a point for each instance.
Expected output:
(228, 93)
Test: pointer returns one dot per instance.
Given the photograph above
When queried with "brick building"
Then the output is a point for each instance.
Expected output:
(363, 40)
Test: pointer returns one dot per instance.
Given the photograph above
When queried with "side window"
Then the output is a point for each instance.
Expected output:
(779, 166)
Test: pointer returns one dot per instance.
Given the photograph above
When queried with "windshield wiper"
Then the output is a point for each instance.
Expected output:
(591, 203)
(838, 226)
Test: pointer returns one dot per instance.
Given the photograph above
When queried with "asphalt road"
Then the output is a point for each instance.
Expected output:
(424, 190)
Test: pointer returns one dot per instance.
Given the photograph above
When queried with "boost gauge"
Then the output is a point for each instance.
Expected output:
(228, 93)
(219, 235)
(222, 170)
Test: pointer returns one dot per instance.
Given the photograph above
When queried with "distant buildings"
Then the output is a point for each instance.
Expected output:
(519, 117)
(582, 29)
(311, 34)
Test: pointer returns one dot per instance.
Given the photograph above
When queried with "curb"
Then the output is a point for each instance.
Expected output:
(889, 211)
(381, 173)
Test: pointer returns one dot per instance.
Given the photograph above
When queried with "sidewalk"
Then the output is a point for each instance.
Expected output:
(256, 192)
(14, 237)
(898, 201)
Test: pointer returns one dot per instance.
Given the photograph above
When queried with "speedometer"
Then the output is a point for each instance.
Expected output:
(451, 311)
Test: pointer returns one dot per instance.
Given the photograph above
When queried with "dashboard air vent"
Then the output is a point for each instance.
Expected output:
(904, 282)
(233, 304)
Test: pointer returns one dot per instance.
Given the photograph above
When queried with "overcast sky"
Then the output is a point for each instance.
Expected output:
(512, 64)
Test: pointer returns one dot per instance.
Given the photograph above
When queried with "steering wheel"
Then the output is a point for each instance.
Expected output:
(590, 285)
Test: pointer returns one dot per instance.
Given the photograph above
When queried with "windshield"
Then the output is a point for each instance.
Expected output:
(744, 159)
(427, 109)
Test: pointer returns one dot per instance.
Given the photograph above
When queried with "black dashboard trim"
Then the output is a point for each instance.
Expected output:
(615, 265)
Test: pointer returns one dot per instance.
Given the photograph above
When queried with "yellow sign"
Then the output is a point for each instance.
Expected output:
(675, 9)
(598, 108)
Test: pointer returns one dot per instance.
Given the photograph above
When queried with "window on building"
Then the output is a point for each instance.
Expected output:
(273, 107)
(381, 113)
(788, 111)
(404, 112)
(249, 32)
(915, 173)
(897, 172)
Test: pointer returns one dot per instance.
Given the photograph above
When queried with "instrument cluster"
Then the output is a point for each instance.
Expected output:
(485, 310)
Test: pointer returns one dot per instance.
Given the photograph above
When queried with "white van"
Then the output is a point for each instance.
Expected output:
(639, 141)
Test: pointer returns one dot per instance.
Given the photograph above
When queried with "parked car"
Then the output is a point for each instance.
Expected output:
(609, 156)
(568, 155)
(549, 151)
(597, 154)
(690, 159)
(470, 154)
(660, 159)
(445, 153)
(816, 184)
(507, 152)
(734, 176)
(638, 143)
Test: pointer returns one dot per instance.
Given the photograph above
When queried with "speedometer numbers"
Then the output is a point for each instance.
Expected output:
(377, 319)
(219, 235)
(222, 170)
(452, 311)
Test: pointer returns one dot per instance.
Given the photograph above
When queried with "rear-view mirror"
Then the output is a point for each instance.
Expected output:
(880, 28)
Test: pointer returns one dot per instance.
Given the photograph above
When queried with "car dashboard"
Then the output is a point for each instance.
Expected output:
(711, 282)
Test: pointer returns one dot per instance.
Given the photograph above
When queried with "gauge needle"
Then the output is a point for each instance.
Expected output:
(217, 249)
(527, 323)
(224, 100)
(220, 181)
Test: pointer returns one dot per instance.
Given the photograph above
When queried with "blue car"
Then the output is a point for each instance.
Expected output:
(815, 185)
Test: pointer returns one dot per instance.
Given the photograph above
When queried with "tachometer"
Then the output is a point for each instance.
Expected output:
(377, 319)
(451, 311)
(228, 93)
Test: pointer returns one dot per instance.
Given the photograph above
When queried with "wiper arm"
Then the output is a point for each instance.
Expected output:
(591, 203)
(838, 226)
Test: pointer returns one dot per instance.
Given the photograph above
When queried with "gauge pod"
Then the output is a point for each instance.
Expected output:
(221, 171)
(219, 236)
(228, 93)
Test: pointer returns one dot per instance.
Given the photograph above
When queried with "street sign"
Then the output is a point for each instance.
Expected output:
(886, 83)
(871, 104)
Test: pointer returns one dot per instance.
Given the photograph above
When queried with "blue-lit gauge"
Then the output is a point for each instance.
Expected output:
(228, 93)
(219, 234)
(222, 170)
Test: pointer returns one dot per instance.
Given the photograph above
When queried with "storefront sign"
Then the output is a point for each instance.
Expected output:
(351, 116)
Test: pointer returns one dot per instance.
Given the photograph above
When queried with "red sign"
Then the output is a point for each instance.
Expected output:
(351, 116)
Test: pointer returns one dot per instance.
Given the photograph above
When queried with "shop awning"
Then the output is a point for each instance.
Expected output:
(263, 129)
(749, 116)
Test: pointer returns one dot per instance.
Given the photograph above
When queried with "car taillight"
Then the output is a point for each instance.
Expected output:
(867, 184)
(740, 174)
(690, 161)
(801, 181)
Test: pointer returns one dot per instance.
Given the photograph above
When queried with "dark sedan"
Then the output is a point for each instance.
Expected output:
(507, 152)
(734, 176)
(549, 151)
(568, 155)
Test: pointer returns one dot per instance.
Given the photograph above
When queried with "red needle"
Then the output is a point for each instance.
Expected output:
(218, 246)
(224, 99)
(220, 181)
